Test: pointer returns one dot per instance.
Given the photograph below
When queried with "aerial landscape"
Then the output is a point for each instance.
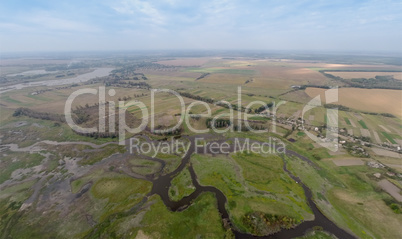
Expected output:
(206, 138)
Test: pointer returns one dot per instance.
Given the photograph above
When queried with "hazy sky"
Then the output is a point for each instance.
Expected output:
(186, 24)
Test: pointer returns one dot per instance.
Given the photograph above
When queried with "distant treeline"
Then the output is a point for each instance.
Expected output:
(334, 106)
(87, 114)
(75, 65)
(357, 70)
(378, 82)
(127, 73)
(125, 77)
(129, 84)
(97, 135)
(303, 87)
(211, 101)
(141, 65)
(224, 123)
(219, 103)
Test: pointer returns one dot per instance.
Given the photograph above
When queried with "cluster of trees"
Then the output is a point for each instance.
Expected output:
(177, 131)
(365, 139)
(382, 114)
(303, 87)
(57, 88)
(378, 82)
(97, 135)
(82, 114)
(38, 115)
(248, 81)
(126, 77)
(128, 69)
(125, 84)
(395, 206)
(263, 107)
(30, 77)
(197, 97)
(234, 106)
(203, 76)
(263, 224)
(127, 73)
(67, 74)
(355, 150)
(335, 106)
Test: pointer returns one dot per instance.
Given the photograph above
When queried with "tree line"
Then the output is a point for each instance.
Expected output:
(38, 115)
(378, 82)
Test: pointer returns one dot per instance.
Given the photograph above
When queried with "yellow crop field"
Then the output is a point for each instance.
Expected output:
(370, 100)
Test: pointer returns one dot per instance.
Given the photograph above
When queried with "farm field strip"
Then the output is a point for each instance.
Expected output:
(365, 132)
(348, 162)
(391, 140)
(390, 188)
(376, 137)
(368, 100)
(385, 129)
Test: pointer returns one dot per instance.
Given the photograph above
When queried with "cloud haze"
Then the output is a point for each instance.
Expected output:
(189, 24)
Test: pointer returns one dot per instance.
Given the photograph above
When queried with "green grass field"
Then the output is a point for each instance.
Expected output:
(363, 124)
(201, 219)
(389, 137)
(251, 184)
(181, 186)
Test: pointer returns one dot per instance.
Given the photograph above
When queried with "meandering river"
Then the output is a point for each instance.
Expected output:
(98, 72)
(162, 183)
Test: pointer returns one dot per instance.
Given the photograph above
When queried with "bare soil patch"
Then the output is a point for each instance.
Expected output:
(390, 188)
(284, 77)
(377, 137)
(365, 132)
(383, 152)
(384, 128)
(348, 162)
